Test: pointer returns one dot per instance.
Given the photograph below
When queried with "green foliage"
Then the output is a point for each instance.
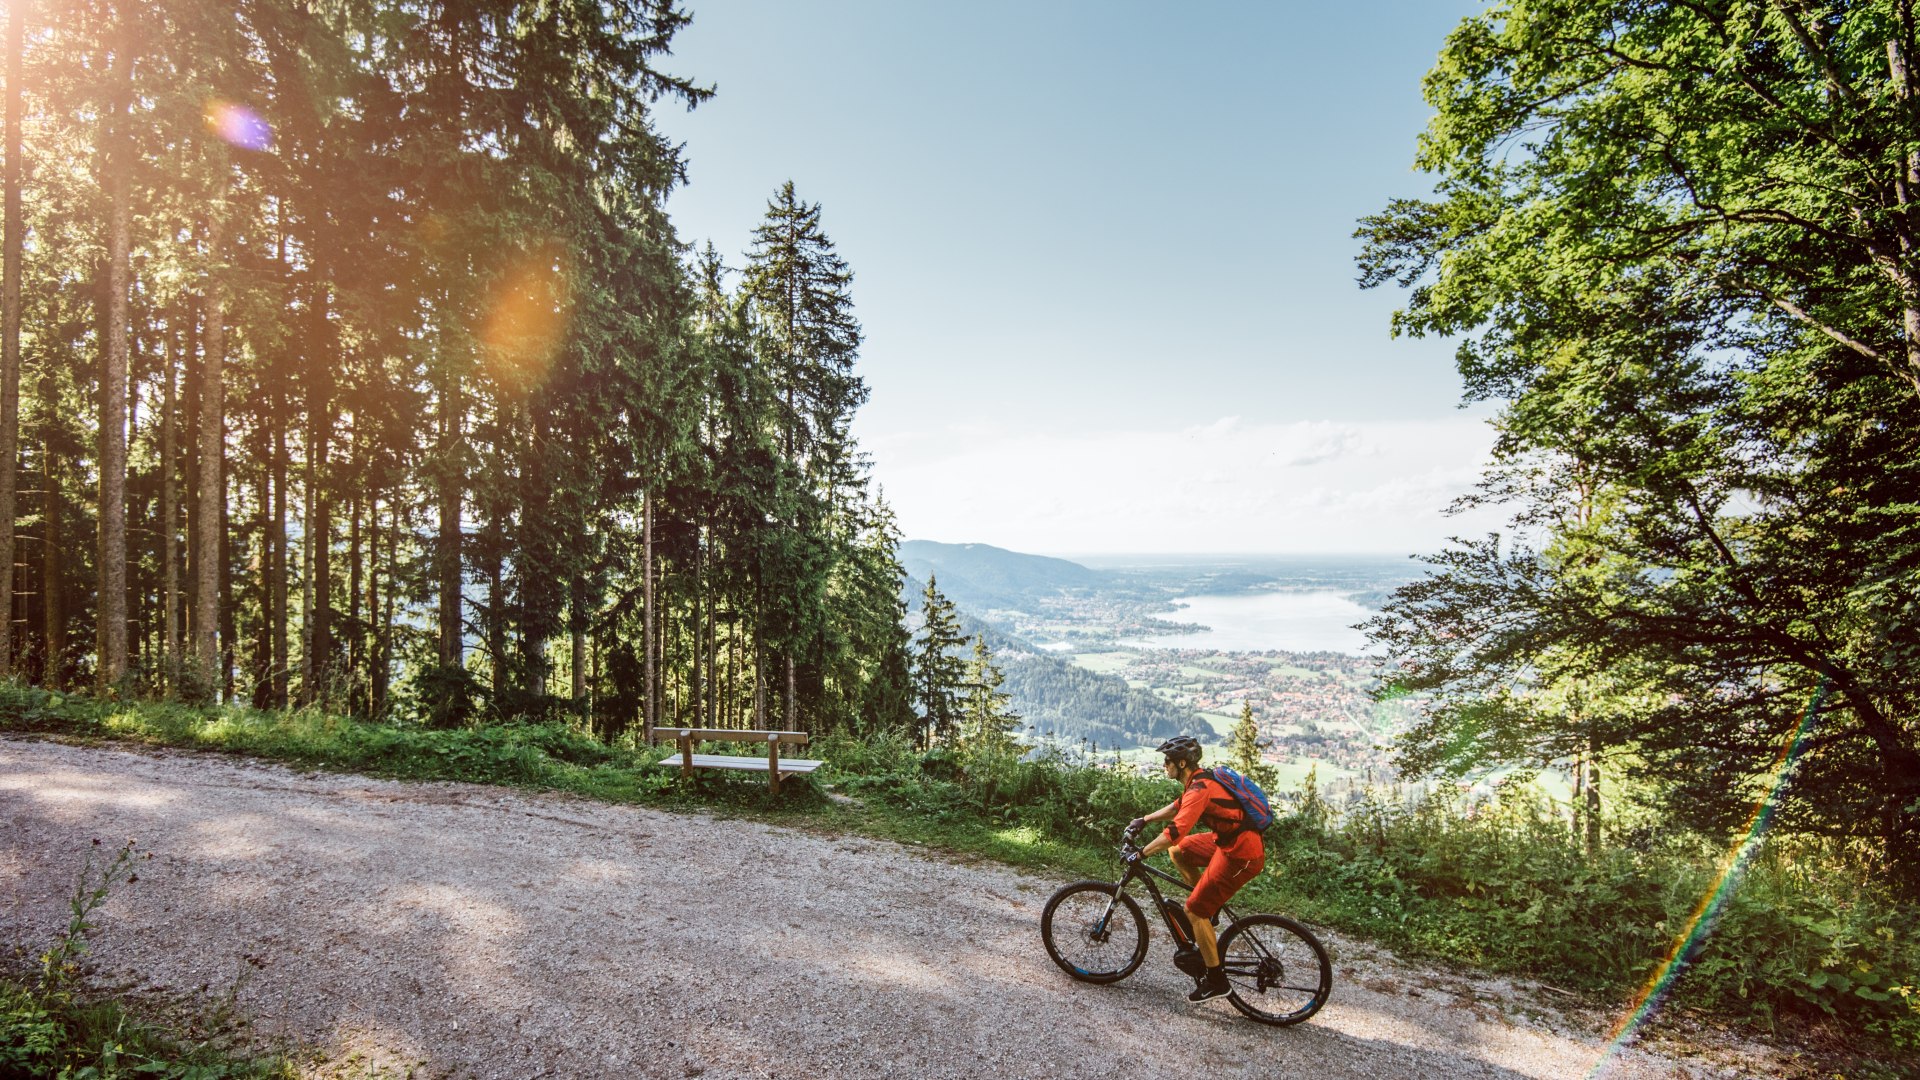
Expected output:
(939, 673)
(1243, 751)
(1806, 930)
(1670, 238)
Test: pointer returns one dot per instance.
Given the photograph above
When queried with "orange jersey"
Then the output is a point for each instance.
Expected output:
(1207, 801)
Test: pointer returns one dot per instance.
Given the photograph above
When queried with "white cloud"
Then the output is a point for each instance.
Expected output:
(1228, 486)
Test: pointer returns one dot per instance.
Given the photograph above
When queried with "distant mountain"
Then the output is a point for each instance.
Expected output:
(984, 578)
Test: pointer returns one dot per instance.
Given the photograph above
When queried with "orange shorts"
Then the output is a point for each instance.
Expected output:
(1225, 872)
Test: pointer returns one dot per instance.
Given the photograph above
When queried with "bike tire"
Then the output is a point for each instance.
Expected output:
(1279, 971)
(1069, 925)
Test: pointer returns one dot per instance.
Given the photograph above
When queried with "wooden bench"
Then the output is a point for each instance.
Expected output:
(773, 764)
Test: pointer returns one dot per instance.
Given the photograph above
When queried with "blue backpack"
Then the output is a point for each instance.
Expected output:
(1253, 802)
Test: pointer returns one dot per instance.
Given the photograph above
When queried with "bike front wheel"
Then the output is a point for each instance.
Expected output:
(1279, 971)
(1094, 932)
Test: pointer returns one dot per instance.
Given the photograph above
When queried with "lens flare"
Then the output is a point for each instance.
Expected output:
(238, 125)
(1697, 928)
(527, 317)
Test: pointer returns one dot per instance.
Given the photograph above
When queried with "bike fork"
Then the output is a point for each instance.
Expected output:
(1113, 901)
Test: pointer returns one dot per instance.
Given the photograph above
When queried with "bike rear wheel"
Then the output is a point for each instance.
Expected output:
(1279, 970)
(1094, 935)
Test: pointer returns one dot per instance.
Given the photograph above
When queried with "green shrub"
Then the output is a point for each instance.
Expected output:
(1804, 928)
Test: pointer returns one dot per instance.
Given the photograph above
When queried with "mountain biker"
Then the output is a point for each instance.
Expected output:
(1216, 864)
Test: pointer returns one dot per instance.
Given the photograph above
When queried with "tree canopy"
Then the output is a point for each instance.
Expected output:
(1678, 241)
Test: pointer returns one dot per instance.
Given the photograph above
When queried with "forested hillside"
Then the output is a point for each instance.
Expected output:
(1063, 701)
(351, 360)
(1055, 698)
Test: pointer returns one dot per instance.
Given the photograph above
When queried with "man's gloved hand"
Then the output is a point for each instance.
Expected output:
(1132, 856)
(1136, 824)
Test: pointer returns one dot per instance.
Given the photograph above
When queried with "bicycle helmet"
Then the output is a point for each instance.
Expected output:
(1182, 747)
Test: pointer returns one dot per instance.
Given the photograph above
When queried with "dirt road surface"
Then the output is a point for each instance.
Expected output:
(469, 931)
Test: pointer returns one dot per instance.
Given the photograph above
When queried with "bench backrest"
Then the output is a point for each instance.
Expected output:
(730, 735)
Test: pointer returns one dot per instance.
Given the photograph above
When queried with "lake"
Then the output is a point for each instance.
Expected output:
(1318, 621)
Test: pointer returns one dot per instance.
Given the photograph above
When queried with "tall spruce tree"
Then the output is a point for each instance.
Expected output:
(806, 338)
(1244, 750)
(939, 674)
(986, 723)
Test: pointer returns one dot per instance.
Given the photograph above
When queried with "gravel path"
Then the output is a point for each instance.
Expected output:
(479, 932)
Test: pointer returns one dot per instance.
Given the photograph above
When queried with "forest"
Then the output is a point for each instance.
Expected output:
(351, 361)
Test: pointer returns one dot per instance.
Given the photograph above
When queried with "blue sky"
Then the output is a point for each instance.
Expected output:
(1103, 256)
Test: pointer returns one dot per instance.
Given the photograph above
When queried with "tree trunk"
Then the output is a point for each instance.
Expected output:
(280, 666)
(496, 603)
(577, 640)
(447, 551)
(354, 583)
(10, 328)
(383, 670)
(696, 686)
(374, 610)
(317, 661)
(307, 544)
(52, 588)
(1593, 796)
(111, 629)
(1579, 800)
(759, 685)
(260, 572)
(229, 636)
(650, 706)
(713, 647)
(208, 523)
(169, 516)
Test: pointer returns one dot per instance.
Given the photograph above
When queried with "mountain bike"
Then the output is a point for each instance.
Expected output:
(1097, 934)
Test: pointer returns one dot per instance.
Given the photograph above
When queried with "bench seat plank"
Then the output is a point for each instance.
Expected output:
(751, 764)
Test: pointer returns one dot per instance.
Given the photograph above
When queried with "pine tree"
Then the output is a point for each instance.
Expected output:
(987, 725)
(1243, 751)
(939, 675)
(806, 338)
(13, 241)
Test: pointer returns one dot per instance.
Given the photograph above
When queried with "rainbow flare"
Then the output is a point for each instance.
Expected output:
(1698, 926)
(238, 125)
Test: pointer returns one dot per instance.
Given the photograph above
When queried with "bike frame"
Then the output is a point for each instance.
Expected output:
(1139, 870)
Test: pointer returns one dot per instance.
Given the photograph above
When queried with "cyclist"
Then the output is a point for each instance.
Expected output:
(1216, 864)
